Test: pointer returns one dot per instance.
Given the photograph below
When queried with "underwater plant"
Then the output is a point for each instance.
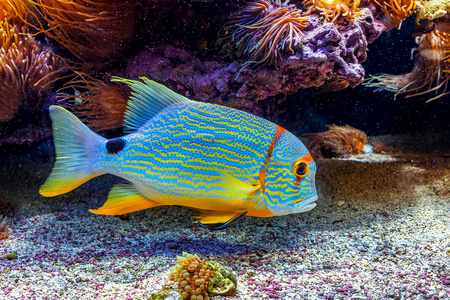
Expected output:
(333, 9)
(26, 69)
(263, 28)
(395, 11)
(90, 30)
(5, 231)
(431, 71)
(99, 104)
(337, 141)
(193, 276)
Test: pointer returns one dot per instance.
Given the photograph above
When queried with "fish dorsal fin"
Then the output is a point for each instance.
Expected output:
(147, 99)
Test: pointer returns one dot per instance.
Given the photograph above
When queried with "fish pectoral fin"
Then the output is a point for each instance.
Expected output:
(236, 188)
(222, 219)
(122, 199)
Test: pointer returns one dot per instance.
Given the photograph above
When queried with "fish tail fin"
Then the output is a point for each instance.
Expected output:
(72, 166)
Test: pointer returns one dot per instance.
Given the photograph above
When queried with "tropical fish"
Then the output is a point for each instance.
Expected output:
(220, 161)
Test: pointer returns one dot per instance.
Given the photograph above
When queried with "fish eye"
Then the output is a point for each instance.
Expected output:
(301, 169)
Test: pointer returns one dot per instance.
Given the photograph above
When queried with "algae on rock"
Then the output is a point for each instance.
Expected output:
(223, 281)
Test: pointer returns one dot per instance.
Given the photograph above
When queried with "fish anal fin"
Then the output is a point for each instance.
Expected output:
(122, 199)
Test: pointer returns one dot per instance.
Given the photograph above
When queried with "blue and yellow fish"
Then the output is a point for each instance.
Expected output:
(220, 161)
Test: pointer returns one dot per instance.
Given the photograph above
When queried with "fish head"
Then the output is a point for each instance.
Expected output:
(289, 181)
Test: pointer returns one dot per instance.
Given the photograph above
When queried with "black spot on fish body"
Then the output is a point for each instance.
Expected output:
(114, 146)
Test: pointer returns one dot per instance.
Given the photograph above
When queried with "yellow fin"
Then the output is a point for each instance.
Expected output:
(122, 199)
(236, 188)
(215, 216)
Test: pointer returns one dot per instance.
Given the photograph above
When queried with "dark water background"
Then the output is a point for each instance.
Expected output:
(376, 113)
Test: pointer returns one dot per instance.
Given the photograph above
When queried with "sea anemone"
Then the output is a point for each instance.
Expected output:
(4, 229)
(395, 11)
(99, 104)
(333, 9)
(26, 69)
(91, 30)
(263, 28)
(193, 276)
(431, 71)
(337, 141)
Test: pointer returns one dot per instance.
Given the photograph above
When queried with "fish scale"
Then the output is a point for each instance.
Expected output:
(190, 152)
(220, 161)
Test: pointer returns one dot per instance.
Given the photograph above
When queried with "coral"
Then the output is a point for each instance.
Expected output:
(263, 28)
(431, 71)
(432, 9)
(26, 69)
(99, 104)
(395, 11)
(333, 9)
(337, 141)
(4, 229)
(223, 281)
(327, 52)
(193, 276)
(91, 30)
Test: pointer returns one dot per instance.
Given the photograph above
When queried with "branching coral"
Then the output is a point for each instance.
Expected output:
(91, 30)
(337, 141)
(333, 9)
(193, 276)
(395, 11)
(4, 229)
(25, 69)
(99, 104)
(431, 71)
(264, 28)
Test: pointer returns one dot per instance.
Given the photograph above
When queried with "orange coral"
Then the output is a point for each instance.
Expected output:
(333, 9)
(337, 141)
(431, 71)
(91, 30)
(264, 28)
(193, 276)
(100, 105)
(395, 11)
(4, 229)
(25, 67)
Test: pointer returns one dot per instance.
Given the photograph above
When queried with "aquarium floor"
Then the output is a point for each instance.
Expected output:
(381, 230)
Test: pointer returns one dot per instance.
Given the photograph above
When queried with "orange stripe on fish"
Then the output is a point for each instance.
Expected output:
(262, 173)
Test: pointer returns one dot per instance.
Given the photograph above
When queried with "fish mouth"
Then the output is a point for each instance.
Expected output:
(304, 205)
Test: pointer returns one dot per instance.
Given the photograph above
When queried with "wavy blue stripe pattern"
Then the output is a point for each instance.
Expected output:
(181, 156)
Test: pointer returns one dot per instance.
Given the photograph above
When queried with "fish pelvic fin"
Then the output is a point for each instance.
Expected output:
(122, 199)
(72, 141)
(224, 219)
(148, 98)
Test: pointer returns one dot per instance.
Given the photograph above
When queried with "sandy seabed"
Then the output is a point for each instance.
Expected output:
(381, 230)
